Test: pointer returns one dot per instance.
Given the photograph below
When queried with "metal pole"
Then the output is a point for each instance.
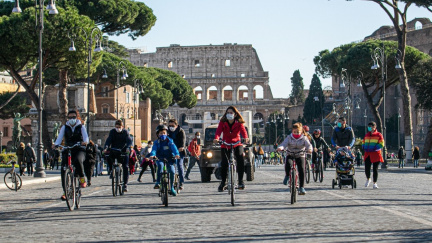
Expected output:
(383, 73)
(118, 82)
(365, 117)
(398, 125)
(134, 100)
(89, 61)
(40, 172)
(1, 142)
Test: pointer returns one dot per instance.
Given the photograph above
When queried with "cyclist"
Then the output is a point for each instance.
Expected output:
(343, 135)
(73, 132)
(320, 144)
(178, 135)
(119, 138)
(294, 143)
(231, 125)
(164, 148)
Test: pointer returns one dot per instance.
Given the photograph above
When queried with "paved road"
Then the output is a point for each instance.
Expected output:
(398, 211)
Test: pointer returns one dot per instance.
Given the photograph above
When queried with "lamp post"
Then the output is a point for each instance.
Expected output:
(365, 119)
(138, 89)
(39, 5)
(119, 67)
(94, 34)
(1, 142)
(316, 99)
(285, 118)
(398, 126)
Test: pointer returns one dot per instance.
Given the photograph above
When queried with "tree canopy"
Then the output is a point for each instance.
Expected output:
(297, 87)
(17, 104)
(313, 108)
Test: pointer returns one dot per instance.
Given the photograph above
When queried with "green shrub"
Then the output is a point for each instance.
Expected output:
(5, 158)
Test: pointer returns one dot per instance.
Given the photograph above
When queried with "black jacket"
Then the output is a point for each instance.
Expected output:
(91, 153)
(401, 154)
(416, 154)
(343, 137)
(320, 143)
(179, 138)
(118, 140)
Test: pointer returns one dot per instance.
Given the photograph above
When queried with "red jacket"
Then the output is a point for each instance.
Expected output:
(231, 134)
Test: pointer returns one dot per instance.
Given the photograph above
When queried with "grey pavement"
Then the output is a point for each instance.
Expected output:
(398, 211)
(51, 175)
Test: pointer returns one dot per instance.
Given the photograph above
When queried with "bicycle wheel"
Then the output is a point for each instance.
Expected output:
(321, 172)
(77, 192)
(307, 172)
(315, 173)
(120, 180)
(232, 185)
(10, 181)
(113, 182)
(165, 186)
(69, 189)
(293, 187)
(18, 182)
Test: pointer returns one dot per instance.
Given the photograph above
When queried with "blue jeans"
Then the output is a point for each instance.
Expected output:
(180, 169)
(416, 163)
(170, 168)
(260, 159)
(401, 163)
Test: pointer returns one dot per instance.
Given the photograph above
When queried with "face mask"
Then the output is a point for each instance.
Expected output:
(296, 136)
(72, 122)
(119, 130)
(198, 137)
(172, 129)
(370, 129)
(339, 124)
(163, 137)
(230, 116)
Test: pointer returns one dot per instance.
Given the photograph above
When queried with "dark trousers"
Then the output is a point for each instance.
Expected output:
(238, 156)
(78, 157)
(300, 162)
(144, 168)
(89, 169)
(192, 161)
(30, 168)
(368, 164)
(122, 160)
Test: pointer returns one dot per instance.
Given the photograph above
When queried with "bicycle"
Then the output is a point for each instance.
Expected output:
(308, 167)
(293, 176)
(318, 173)
(72, 187)
(165, 182)
(176, 181)
(117, 174)
(11, 179)
(231, 187)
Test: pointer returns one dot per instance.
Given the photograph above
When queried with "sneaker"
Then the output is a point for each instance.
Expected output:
(63, 197)
(156, 186)
(89, 183)
(83, 183)
(241, 186)
(139, 180)
(221, 187)
(187, 178)
(302, 191)
(173, 192)
(375, 186)
(367, 182)
(285, 181)
(125, 188)
(181, 186)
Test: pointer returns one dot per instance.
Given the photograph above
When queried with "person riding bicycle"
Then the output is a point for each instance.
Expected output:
(178, 135)
(343, 135)
(73, 132)
(231, 125)
(295, 143)
(320, 145)
(164, 148)
(119, 138)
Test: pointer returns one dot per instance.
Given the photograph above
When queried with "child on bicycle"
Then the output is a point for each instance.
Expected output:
(164, 148)
(296, 142)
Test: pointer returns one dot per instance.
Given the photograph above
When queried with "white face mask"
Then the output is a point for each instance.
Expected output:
(119, 130)
(72, 122)
(172, 129)
(198, 137)
(230, 116)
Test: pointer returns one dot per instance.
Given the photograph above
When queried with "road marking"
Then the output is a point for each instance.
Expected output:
(34, 181)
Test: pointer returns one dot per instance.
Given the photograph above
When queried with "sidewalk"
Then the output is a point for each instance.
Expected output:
(51, 175)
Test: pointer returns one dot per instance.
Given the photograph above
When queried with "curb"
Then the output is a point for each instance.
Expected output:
(34, 181)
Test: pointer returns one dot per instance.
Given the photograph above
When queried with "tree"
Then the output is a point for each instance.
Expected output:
(297, 95)
(17, 104)
(313, 108)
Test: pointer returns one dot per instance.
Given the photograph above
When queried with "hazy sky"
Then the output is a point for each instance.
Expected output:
(287, 34)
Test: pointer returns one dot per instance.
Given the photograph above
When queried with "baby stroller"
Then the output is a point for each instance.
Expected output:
(345, 170)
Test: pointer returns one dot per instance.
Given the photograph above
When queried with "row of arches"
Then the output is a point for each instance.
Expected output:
(228, 93)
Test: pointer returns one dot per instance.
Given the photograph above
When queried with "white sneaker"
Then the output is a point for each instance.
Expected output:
(375, 186)
(367, 182)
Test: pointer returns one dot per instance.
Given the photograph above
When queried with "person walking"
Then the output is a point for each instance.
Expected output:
(373, 143)
(416, 156)
(146, 162)
(46, 158)
(30, 158)
(20, 158)
(260, 156)
(359, 157)
(90, 161)
(132, 161)
(401, 156)
(97, 170)
(195, 151)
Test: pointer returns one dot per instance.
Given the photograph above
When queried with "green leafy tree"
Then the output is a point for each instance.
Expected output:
(297, 87)
(17, 104)
(314, 102)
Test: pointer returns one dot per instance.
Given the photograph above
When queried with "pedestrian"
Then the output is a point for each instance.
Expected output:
(30, 158)
(401, 156)
(255, 153)
(195, 150)
(260, 156)
(138, 157)
(178, 135)
(132, 161)
(373, 142)
(266, 157)
(20, 158)
(146, 162)
(359, 157)
(46, 158)
(90, 161)
(97, 170)
(416, 156)
(102, 161)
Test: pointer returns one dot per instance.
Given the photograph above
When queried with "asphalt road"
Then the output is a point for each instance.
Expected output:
(398, 211)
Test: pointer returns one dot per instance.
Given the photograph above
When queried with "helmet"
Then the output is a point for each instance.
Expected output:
(306, 128)
(317, 131)
(160, 128)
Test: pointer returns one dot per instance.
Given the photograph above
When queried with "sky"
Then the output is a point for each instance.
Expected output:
(287, 34)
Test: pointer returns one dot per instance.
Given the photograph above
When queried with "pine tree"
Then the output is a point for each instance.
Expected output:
(314, 102)
(297, 95)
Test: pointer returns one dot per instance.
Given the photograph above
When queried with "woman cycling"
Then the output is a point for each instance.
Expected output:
(231, 125)
(296, 142)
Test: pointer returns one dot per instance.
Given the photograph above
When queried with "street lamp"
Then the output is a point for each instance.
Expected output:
(40, 26)
(365, 119)
(119, 67)
(316, 99)
(94, 34)
(138, 89)
(1, 142)
(398, 126)
(285, 118)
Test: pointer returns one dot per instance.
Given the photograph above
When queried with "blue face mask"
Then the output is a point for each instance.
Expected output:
(339, 124)
(163, 137)
(370, 129)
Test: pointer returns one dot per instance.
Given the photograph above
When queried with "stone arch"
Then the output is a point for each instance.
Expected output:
(418, 25)
(259, 116)
(105, 108)
(182, 120)
(198, 91)
(212, 93)
(258, 92)
(227, 93)
(243, 92)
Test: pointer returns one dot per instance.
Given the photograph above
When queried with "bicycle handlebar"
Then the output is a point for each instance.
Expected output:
(69, 147)
(229, 144)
